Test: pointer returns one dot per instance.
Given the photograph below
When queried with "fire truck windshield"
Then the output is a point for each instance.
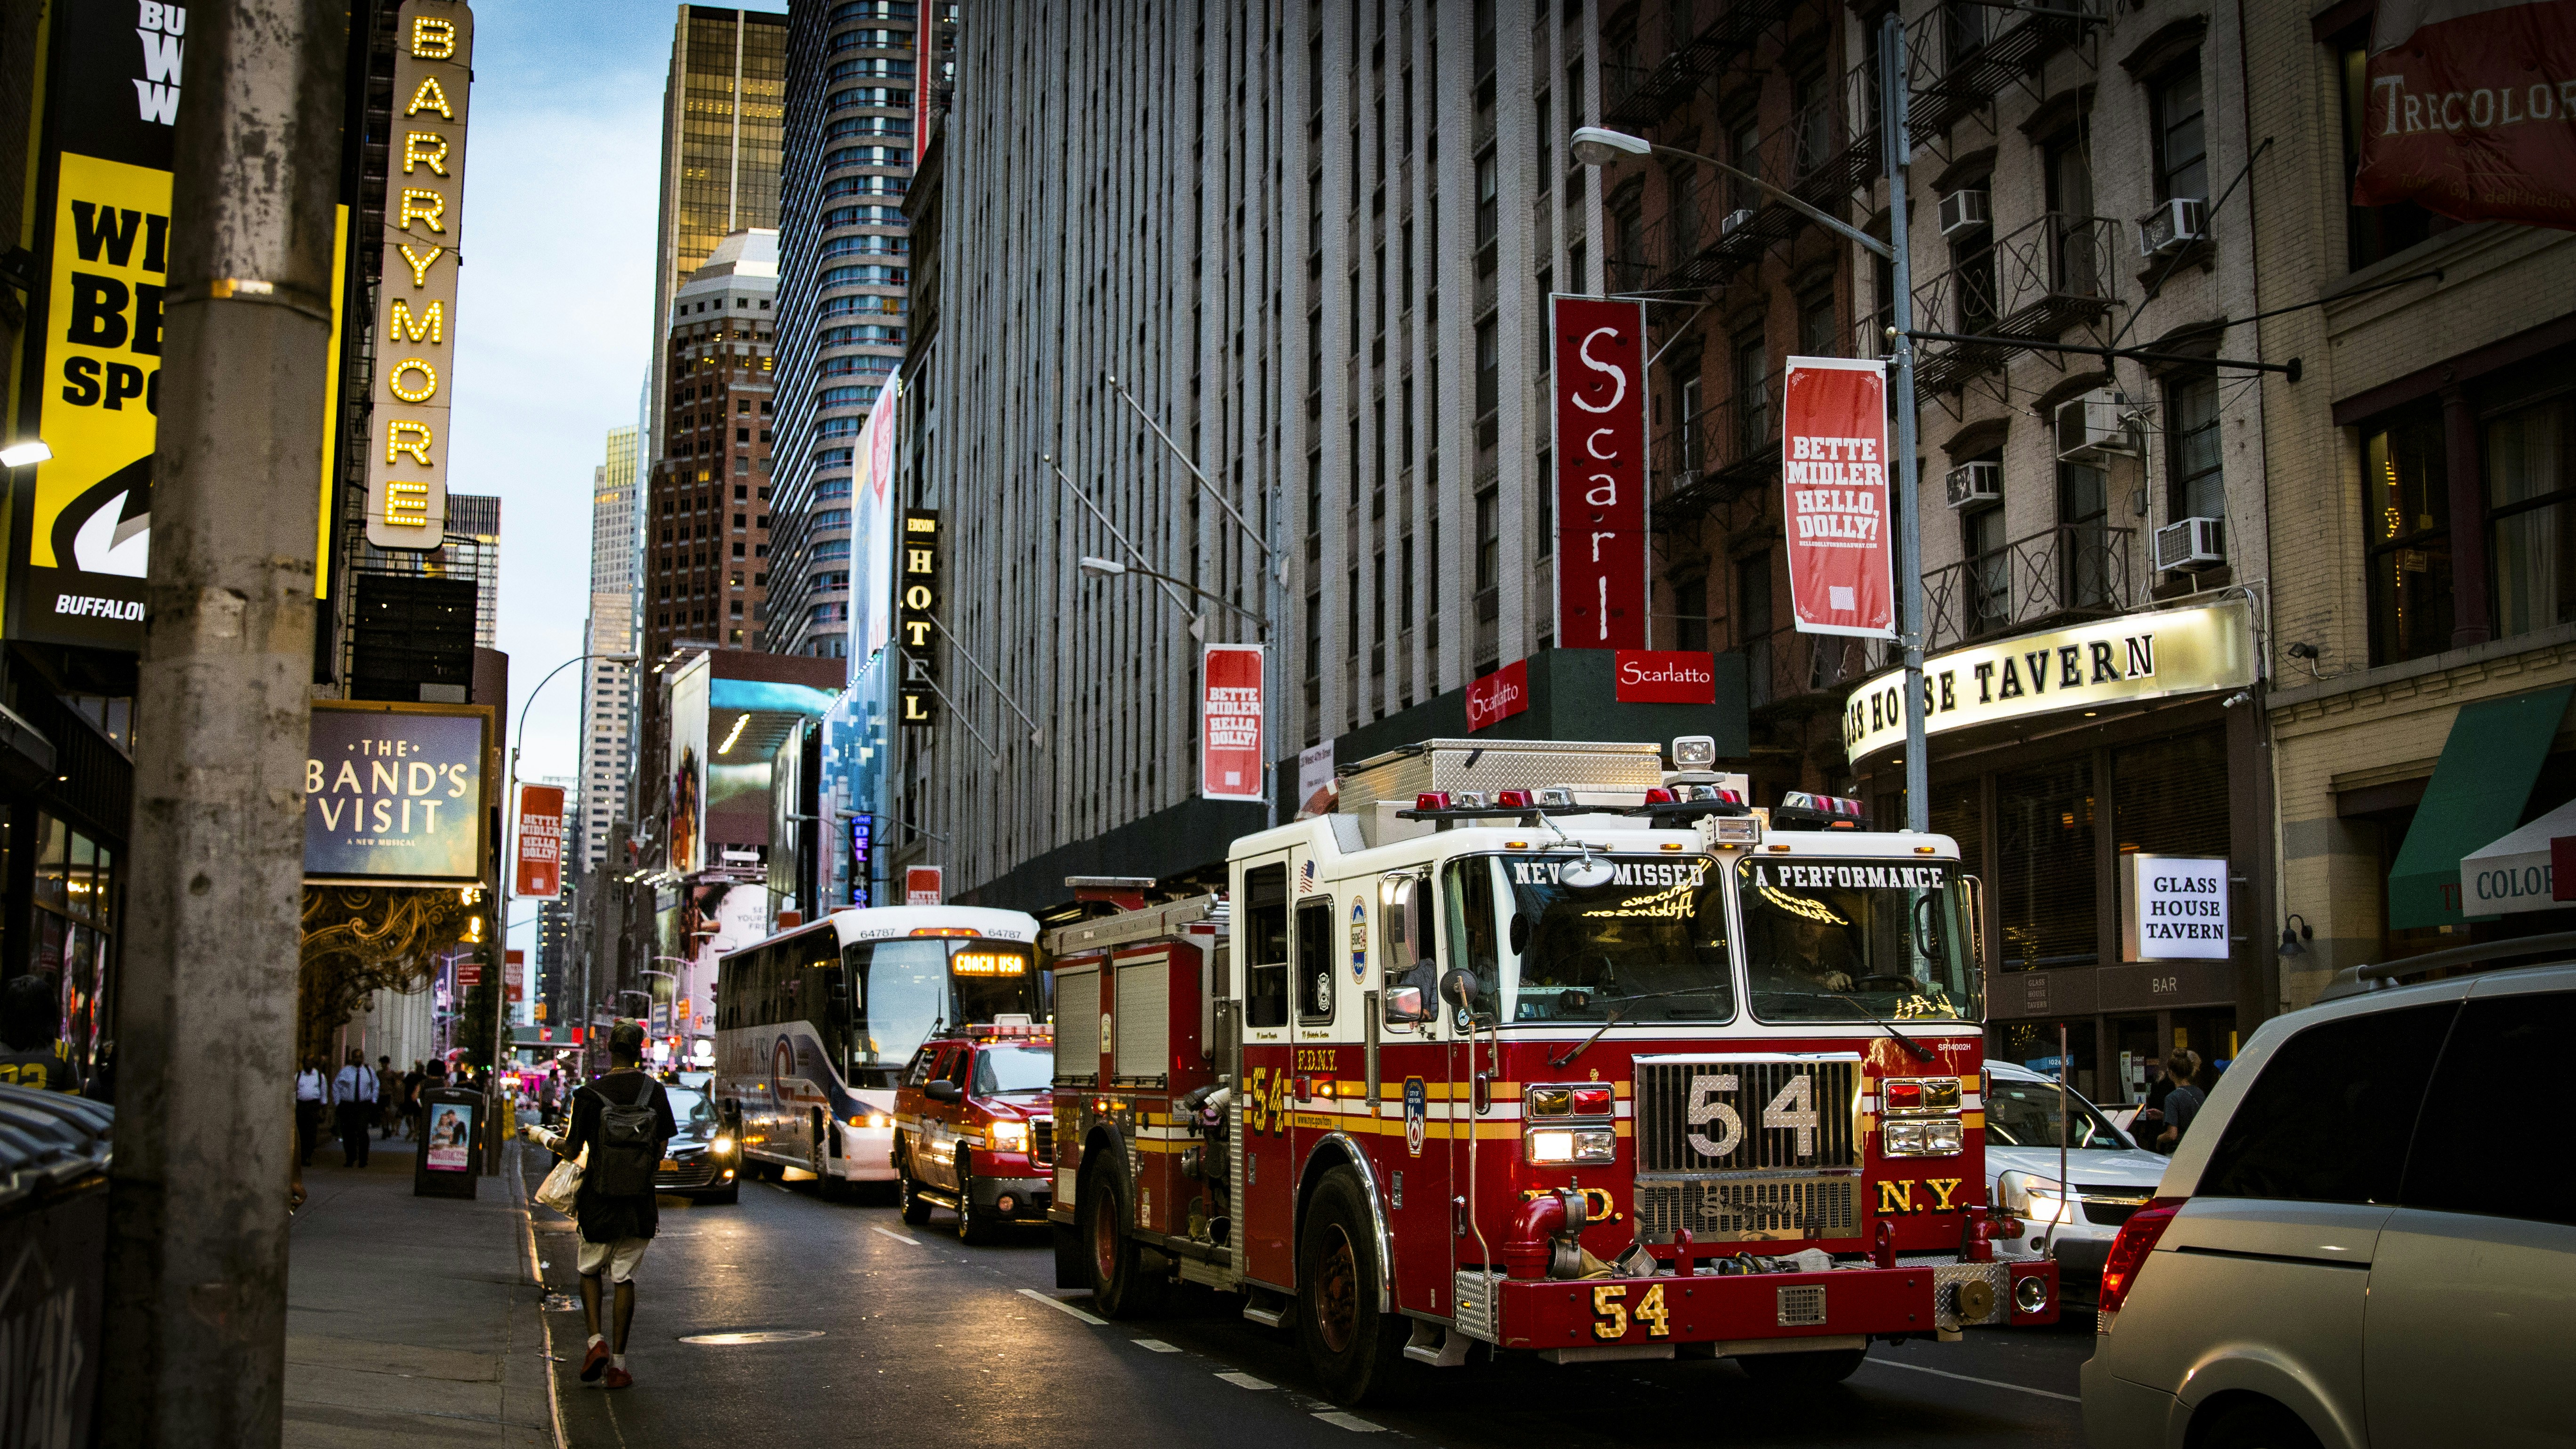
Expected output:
(1649, 944)
(1856, 940)
(1004, 1069)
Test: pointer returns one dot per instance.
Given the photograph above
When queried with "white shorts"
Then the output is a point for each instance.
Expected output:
(619, 1258)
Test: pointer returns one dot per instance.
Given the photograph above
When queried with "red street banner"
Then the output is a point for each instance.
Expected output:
(514, 975)
(1498, 696)
(1664, 676)
(469, 973)
(1230, 742)
(541, 841)
(1833, 465)
(1600, 453)
(923, 886)
(2469, 109)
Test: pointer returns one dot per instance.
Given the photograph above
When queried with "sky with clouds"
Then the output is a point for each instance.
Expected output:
(554, 314)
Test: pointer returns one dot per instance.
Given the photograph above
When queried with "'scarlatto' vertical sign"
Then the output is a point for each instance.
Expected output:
(424, 211)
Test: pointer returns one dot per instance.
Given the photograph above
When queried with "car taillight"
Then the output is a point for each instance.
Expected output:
(2128, 1255)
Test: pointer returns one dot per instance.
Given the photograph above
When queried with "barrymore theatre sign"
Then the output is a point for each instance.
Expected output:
(2117, 661)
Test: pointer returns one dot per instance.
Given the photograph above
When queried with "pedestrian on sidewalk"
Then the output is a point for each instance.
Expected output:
(623, 1119)
(412, 1082)
(353, 1100)
(547, 1087)
(2183, 1100)
(387, 1098)
(312, 1099)
(33, 1051)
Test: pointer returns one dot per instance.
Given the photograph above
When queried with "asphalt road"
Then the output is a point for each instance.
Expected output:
(919, 1339)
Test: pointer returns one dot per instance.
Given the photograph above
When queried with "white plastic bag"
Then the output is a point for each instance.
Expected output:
(562, 1187)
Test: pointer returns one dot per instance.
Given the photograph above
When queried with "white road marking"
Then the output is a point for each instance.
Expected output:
(1244, 1381)
(1352, 1422)
(891, 1233)
(1156, 1345)
(1968, 1379)
(1063, 1307)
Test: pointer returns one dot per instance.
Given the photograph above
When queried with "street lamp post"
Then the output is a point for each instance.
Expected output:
(1596, 146)
(1105, 568)
(510, 818)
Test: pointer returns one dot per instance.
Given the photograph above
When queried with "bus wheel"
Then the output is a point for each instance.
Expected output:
(907, 1193)
(1119, 1283)
(1816, 1367)
(1356, 1351)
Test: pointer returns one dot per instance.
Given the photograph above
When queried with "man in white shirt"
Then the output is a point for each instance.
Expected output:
(312, 1097)
(353, 1098)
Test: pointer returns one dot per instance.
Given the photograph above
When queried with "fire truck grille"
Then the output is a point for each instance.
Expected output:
(1749, 1210)
(1720, 1116)
(1042, 1141)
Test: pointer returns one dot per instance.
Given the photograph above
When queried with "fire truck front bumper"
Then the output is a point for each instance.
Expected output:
(1604, 1318)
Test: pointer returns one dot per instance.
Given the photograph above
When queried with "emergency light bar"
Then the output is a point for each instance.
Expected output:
(1684, 802)
(1799, 810)
(1448, 805)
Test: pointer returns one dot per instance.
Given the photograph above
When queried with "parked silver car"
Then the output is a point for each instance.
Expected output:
(2367, 1237)
(2113, 1176)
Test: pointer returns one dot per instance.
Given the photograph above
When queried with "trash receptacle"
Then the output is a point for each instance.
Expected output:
(451, 1146)
(53, 1259)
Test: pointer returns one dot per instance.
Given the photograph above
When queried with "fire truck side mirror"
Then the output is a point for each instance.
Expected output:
(1404, 1004)
(942, 1090)
(1973, 891)
(1458, 988)
(1400, 898)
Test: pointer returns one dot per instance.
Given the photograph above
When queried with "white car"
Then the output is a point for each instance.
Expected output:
(2367, 1237)
(2113, 1176)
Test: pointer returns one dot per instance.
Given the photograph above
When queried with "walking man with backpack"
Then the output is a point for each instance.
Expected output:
(623, 1119)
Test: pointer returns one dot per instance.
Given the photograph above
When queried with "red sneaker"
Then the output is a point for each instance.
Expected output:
(594, 1361)
(618, 1378)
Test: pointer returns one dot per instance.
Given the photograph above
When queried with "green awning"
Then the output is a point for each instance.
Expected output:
(2477, 794)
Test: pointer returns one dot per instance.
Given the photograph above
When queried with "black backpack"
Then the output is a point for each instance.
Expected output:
(629, 1146)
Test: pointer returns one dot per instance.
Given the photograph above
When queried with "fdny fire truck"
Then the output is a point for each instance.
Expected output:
(1543, 1047)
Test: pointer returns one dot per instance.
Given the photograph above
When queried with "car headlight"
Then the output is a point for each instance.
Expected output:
(1572, 1144)
(1010, 1137)
(2039, 1199)
(721, 1144)
(1936, 1137)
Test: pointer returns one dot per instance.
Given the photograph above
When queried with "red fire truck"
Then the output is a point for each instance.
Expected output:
(1543, 1047)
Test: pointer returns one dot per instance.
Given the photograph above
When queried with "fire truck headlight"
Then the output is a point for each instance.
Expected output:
(1935, 1138)
(1010, 1136)
(1556, 1145)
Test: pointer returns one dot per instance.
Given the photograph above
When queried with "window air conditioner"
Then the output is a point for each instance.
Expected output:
(2171, 227)
(1741, 216)
(2093, 426)
(1964, 211)
(1973, 483)
(2189, 544)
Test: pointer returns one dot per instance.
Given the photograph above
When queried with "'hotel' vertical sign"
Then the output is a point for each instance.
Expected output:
(424, 196)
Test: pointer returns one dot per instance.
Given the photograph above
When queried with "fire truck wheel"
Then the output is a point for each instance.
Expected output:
(1357, 1351)
(1825, 1366)
(1120, 1284)
(907, 1193)
(973, 1225)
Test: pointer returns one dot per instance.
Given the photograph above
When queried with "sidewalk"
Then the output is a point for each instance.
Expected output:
(412, 1320)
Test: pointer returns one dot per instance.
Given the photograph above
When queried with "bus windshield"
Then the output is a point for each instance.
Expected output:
(1648, 943)
(910, 986)
(1856, 940)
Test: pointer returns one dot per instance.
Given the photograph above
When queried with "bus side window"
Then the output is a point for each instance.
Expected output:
(1265, 977)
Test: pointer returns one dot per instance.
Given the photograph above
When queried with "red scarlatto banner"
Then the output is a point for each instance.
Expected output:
(1833, 468)
(1664, 676)
(2469, 110)
(1600, 453)
(1498, 696)
(541, 841)
(1230, 741)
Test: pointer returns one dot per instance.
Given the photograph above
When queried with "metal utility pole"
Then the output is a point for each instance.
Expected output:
(196, 1266)
(1896, 144)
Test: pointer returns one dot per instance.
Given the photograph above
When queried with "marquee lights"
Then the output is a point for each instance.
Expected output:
(433, 66)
